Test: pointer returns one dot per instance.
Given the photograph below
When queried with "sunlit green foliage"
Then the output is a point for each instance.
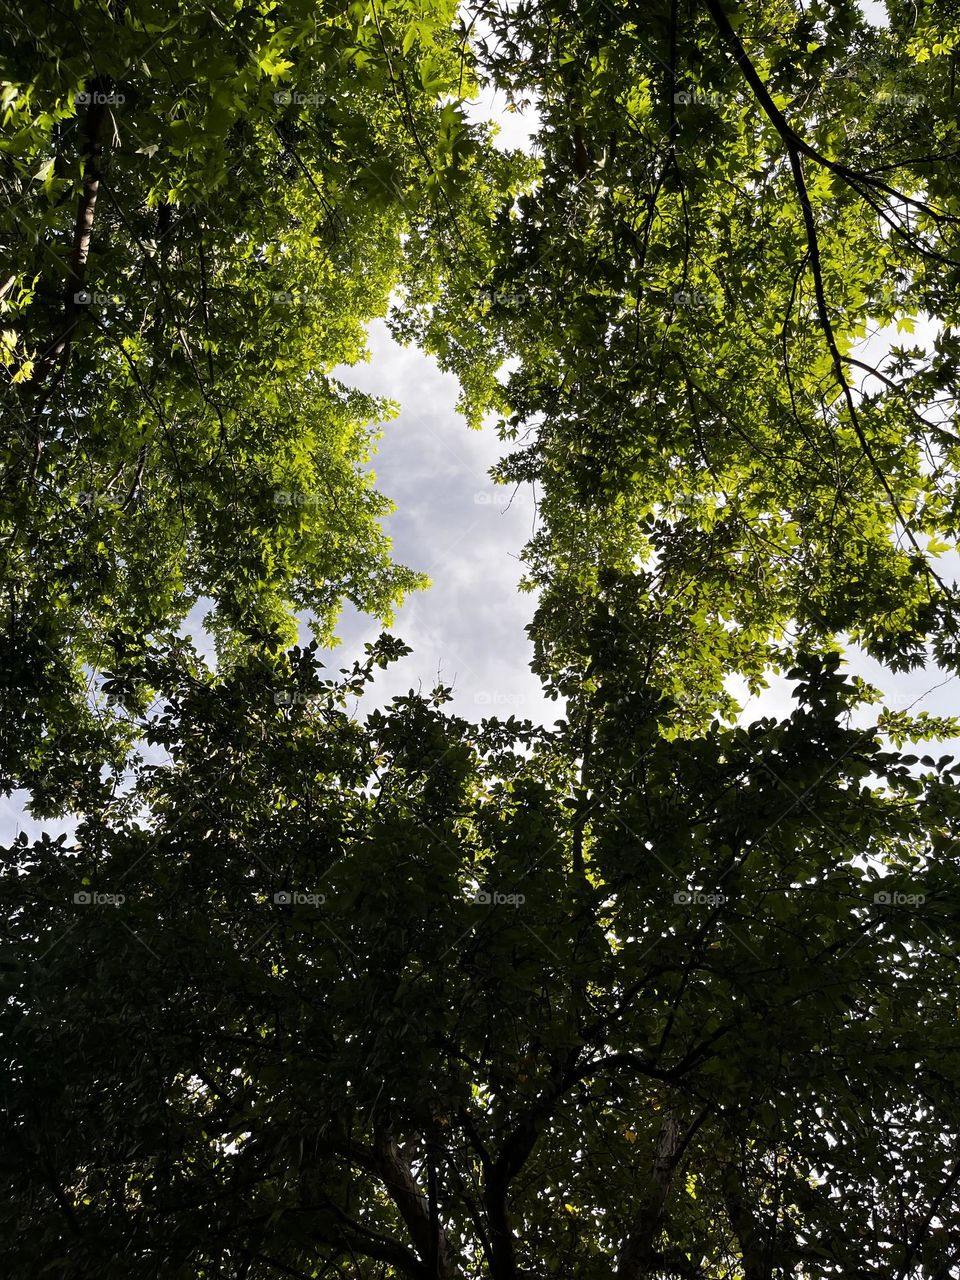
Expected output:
(726, 208)
(204, 206)
(388, 995)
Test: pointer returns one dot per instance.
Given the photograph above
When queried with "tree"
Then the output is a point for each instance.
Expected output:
(205, 207)
(648, 994)
(730, 199)
(414, 997)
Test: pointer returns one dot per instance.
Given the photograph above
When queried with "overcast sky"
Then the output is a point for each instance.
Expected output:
(455, 525)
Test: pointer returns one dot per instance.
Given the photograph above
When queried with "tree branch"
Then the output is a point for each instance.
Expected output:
(796, 147)
(387, 1163)
(790, 135)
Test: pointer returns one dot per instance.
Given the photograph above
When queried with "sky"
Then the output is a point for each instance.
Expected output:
(464, 532)
(453, 524)
(468, 629)
(874, 11)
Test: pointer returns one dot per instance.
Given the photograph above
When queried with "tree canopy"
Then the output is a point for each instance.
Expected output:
(315, 987)
(416, 997)
(729, 201)
(204, 208)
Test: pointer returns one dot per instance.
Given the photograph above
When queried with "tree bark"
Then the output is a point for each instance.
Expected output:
(639, 1252)
(49, 365)
(413, 1205)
